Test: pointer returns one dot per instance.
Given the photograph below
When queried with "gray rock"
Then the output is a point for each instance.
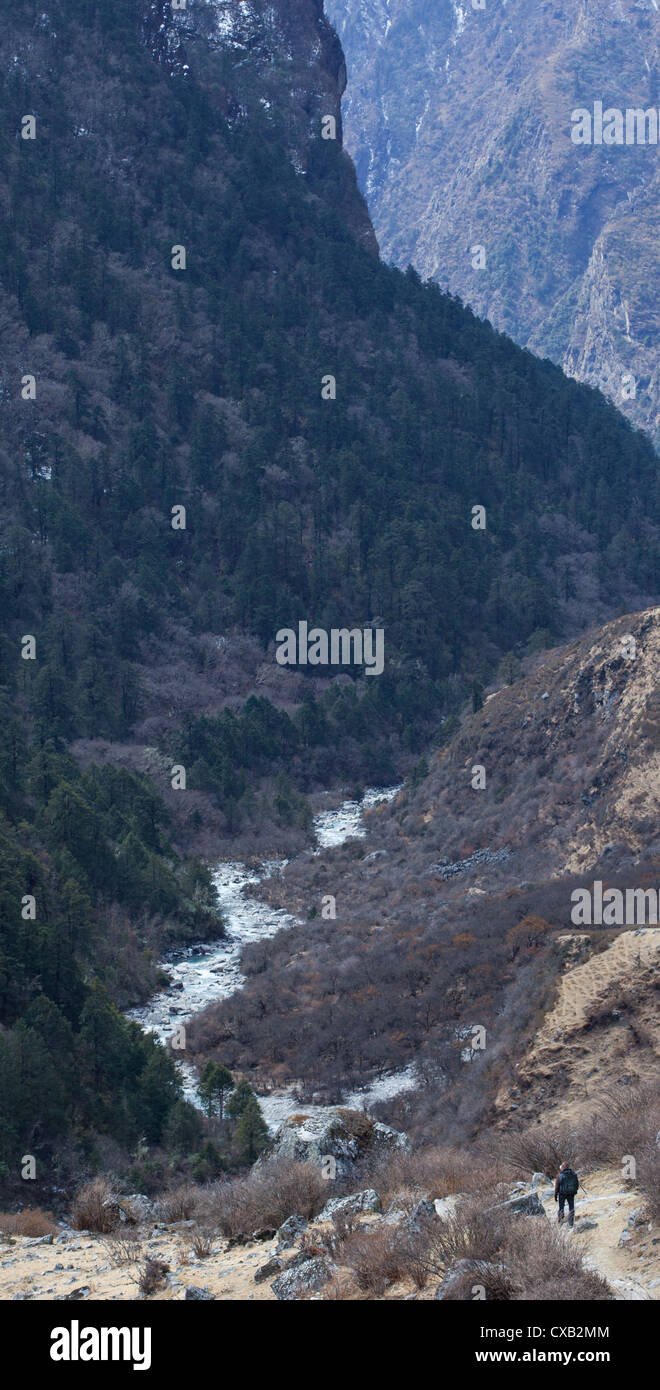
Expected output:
(354, 1204)
(624, 1238)
(75, 1294)
(585, 1225)
(522, 1206)
(386, 1139)
(194, 1294)
(289, 1231)
(446, 1206)
(39, 1240)
(266, 1271)
(309, 1138)
(301, 1279)
(538, 1180)
(135, 1208)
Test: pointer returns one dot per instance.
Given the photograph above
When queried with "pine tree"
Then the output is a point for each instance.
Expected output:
(251, 1132)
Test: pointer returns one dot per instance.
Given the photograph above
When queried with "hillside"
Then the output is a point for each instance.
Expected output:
(459, 121)
(457, 913)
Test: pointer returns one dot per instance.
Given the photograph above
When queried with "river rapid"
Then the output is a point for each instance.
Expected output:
(202, 974)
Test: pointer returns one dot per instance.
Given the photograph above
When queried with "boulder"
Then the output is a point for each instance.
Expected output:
(538, 1179)
(521, 1205)
(386, 1139)
(135, 1208)
(341, 1134)
(357, 1202)
(301, 1279)
(194, 1294)
(289, 1231)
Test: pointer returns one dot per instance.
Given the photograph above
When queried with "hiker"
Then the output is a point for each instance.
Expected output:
(566, 1186)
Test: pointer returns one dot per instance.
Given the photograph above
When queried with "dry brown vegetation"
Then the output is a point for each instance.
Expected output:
(511, 1259)
(31, 1222)
(263, 1199)
(94, 1208)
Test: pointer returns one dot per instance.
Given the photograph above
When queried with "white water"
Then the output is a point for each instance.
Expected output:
(211, 971)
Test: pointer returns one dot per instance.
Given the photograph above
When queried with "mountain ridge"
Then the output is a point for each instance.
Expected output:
(459, 120)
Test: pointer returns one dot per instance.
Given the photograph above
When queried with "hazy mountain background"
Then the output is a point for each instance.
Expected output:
(458, 120)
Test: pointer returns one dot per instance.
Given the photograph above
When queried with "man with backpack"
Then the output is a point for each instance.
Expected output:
(566, 1186)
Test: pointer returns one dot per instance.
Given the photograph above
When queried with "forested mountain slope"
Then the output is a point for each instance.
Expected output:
(459, 120)
(131, 387)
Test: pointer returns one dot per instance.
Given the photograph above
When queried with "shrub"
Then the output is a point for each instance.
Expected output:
(380, 1256)
(152, 1277)
(546, 1265)
(123, 1247)
(528, 1260)
(435, 1171)
(627, 1123)
(648, 1180)
(266, 1197)
(470, 1233)
(201, 1242)
(180, 1203)
(540, 1150)
(95, 1208)
(31, 1222)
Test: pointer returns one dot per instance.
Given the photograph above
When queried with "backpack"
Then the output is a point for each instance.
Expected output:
(568, 1183)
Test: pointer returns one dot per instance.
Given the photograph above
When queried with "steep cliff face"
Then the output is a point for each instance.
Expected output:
(459, 121)
(288, 48)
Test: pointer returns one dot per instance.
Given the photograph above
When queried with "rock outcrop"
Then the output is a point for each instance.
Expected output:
(459, 121)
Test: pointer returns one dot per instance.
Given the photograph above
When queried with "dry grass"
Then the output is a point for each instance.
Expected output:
(547, 1266)
(470, 1233)
(31, 1222)
(512, 1258)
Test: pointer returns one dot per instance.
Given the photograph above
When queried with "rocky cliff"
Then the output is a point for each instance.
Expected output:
(459, 120)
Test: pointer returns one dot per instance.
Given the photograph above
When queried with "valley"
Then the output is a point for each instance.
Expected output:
(301, 796)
